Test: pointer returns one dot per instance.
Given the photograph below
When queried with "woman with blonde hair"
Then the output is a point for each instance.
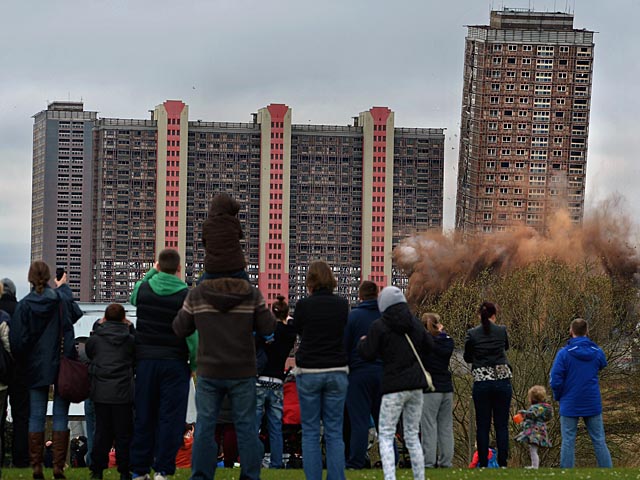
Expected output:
(321, 371)
(41, 320)
(436, 423)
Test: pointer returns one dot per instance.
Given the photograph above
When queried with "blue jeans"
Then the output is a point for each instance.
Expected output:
(209, 395)
(162, 389)
(90, 421)
(595, 428)
(272, 401)
(38, 399)
(322, 397)
(492, 398)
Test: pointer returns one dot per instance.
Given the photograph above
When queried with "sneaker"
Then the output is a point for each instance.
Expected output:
(160, 476)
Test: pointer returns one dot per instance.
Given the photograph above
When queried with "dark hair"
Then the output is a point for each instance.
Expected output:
(169, 261)
(114, 313)
(487, 310)
(368, 290)
(320, 276)
(280, 308)
(39, 275)
(579, 327)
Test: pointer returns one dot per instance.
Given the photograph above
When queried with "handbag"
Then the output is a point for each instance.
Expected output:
(73, 375)
(427, 375)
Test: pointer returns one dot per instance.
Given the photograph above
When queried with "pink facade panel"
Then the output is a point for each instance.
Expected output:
(274, 280)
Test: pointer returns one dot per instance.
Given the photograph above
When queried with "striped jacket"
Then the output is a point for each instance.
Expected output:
(226, 312)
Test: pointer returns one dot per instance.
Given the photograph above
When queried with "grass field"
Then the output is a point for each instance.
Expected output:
(449, 474)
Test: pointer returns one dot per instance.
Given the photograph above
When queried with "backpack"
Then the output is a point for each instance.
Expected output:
(6, 361)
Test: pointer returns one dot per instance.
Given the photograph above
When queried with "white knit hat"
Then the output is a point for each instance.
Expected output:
(390, 296)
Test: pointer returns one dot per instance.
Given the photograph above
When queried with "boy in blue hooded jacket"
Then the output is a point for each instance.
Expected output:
(575, 384)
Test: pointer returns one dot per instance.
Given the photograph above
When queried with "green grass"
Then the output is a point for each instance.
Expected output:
(454, 473)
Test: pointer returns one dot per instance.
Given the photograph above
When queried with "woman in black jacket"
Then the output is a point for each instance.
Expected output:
(41, 319)
(391, 338)
(485, 349)
(321, 371)
(437, 411)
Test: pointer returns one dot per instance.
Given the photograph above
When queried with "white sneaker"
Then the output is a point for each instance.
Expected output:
(159, 476)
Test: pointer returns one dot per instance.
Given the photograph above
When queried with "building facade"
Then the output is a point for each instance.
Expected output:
(61, 218)
(344, 194)
(525, 121)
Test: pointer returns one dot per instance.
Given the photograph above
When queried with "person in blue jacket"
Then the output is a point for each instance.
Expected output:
(575, 384)
(365, 378)
(40, 321)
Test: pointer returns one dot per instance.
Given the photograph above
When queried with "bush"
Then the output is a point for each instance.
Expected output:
(537, 303)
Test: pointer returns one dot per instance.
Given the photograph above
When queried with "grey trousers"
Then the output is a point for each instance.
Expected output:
(436, 426)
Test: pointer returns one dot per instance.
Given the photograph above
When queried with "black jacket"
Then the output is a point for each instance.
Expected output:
(437, 362)
(486, 349)
(154, 332)
(278, 350)
(111, 351)
(320, 319)
(386, 339)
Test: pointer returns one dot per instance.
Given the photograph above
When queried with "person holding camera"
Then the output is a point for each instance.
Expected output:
(436, 423)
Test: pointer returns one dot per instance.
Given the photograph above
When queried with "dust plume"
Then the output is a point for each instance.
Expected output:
(433, 261)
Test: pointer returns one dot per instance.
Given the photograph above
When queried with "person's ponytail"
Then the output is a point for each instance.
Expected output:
(487, 310)
(39, 275)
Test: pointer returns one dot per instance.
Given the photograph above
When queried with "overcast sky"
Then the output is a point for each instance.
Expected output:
(328, 60)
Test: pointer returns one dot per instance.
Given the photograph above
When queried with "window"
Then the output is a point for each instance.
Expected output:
(494, 100)
(527, 48)
(520, 152)
(562, 75)
(524, 86)
(491, 165)
(507, 126)
(495, 87)
(524, 100)
(504, 191)
(522, 126)
(521, 139)
(560, 101)
(491, 152)
(504, 178)
(506, 139)
(511, 73)
(488, 190)
(497, 48)
(511, 60)
(562, 88)
(522, 113)
(564, 49)
(510, 86)
(526, 61)
(525, 74)
(513, 48)
(508, 100)
(497, 60)
(490, 177)
(558, 127)
(492, 139)
(492, 126)
(545, 50)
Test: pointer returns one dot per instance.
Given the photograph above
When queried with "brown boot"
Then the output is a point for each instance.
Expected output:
(60, 449)
(36, 452)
